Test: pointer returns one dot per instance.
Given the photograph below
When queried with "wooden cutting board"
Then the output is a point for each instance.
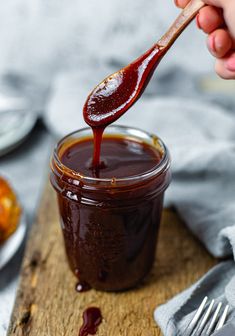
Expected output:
(48, 305)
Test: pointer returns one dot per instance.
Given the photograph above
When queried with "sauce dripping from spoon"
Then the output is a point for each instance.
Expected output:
(117, 93)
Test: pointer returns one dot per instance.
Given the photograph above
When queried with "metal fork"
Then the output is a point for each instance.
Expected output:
(213, 315)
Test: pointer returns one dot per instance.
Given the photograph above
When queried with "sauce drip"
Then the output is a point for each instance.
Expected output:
(96, 163)
(82, 287)
(117, 93)
(92, 318)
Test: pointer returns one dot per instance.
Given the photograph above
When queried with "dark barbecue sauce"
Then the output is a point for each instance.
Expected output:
(91, 320)
(110, 232)
(82, 287)
(120, 157)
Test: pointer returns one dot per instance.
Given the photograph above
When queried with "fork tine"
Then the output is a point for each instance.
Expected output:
(223, 318)
(213, 321)
(202, 316)
(197, 314)
(205, 317)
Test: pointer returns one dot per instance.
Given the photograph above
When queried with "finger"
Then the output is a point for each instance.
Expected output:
(228, 7)
(219, 43)
(181, 3)
(230, 61)
(223, 69)
(216, 3)
(209, 19)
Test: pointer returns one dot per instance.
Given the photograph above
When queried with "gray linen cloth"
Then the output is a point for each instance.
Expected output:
(201, 138)
(174, 316)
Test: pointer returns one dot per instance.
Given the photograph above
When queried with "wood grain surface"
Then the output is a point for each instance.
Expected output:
(48, 305)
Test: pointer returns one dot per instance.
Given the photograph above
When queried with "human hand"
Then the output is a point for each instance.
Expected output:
(218, 21)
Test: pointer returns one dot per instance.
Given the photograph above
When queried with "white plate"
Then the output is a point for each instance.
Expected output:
(13, 243)
(17, 125)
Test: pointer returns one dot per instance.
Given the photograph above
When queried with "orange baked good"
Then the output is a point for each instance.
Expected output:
(10, 210)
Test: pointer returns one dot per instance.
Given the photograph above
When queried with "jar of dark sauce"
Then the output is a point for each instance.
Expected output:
(110, 218)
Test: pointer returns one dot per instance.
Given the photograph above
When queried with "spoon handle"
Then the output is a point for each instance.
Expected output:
(185, 17)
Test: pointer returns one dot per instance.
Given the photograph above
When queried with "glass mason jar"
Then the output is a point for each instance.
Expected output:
(110, 227)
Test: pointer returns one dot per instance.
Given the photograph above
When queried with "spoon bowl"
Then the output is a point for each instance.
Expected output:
(118, 92)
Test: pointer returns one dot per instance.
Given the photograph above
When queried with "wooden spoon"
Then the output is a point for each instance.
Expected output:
(118, 92)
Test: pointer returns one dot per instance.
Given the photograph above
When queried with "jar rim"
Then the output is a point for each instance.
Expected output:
(159, 168)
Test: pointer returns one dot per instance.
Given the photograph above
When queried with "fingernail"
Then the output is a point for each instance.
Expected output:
(230, 64)
(218, 45)
(198, 21)
(211, 42)
(177, 3)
